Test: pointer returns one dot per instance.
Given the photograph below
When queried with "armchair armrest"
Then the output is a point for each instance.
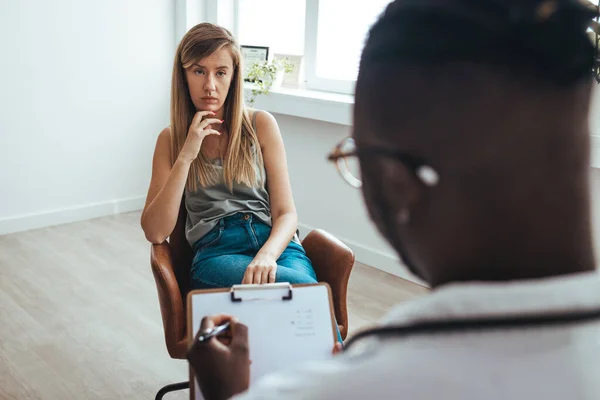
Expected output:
(170, 299)
(333, 262)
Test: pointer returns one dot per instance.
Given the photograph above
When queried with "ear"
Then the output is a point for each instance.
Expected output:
(390, 191)
(400, 188)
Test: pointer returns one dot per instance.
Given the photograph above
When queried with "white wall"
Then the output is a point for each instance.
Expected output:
(595, 113)
(84, 93)
(595, 127)
(595, 186)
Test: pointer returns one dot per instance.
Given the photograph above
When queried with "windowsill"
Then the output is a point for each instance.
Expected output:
(330, 107)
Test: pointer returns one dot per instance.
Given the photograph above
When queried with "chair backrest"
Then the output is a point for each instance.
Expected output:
(182, 252)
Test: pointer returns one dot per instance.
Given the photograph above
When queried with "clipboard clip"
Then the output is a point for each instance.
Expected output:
(238, 289)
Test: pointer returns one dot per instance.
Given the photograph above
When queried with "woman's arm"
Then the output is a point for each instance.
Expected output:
(283, 210)
(165, 192)
(168, 182)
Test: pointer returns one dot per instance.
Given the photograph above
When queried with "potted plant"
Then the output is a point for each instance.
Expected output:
(266, 75)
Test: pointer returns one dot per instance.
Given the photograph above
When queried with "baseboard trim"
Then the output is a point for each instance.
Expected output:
(72, 214)
(372, 257)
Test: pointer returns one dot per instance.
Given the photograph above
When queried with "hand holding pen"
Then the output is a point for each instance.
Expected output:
(219, 356)
(222, 332)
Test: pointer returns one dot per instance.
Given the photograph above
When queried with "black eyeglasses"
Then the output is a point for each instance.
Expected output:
(345, 155)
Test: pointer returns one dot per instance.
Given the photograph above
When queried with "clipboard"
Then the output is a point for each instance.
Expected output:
(287, 324)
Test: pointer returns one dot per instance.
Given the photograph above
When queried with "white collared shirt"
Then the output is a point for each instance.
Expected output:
(549, 363)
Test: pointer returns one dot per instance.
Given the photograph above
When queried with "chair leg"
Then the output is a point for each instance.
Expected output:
(171, 388)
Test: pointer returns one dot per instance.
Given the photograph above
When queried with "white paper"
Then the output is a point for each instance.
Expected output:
(281, 333)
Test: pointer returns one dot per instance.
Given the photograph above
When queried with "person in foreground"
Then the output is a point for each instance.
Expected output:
(471, 130)
(230, 163)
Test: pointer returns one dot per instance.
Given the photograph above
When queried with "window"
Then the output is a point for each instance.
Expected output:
(335, 35)
(277, 24)
(330, 34)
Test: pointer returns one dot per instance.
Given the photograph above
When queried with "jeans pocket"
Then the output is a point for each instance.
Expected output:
(210, 239)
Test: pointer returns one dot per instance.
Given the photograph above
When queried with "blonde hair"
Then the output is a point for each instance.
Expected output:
(243, 154)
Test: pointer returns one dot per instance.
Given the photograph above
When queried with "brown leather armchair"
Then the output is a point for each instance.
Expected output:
(171, 262)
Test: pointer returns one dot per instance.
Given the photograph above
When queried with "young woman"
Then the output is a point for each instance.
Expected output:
(230, 163)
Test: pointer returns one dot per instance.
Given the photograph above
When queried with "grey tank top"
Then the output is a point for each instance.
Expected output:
(208, 205)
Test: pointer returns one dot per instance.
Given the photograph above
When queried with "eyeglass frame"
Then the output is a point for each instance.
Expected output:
(417, 165)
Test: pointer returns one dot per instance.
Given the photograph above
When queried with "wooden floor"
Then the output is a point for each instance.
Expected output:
(79, 315)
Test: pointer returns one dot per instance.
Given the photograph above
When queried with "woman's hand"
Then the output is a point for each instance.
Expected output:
(222, 370)
(199, 129)
(261, 270)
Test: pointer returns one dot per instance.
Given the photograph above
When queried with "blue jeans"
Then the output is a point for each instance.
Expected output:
(223, 254)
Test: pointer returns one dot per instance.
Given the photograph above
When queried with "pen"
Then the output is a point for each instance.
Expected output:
(210, 332)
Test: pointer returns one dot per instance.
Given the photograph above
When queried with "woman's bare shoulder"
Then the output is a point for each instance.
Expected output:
(165, 133)
(265, 122)
(163, 144)
(164, 137)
